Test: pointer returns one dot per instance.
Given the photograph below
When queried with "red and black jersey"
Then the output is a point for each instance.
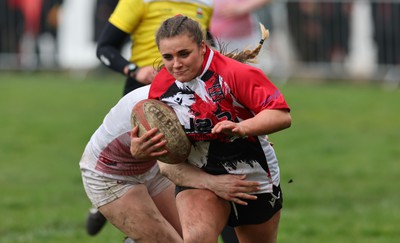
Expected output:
(226, 90)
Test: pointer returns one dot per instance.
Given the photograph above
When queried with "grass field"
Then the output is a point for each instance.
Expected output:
(342, 154)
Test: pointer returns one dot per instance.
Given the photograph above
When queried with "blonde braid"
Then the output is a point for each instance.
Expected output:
(249, 56)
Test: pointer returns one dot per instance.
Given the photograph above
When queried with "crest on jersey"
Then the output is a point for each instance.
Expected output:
(215, 92)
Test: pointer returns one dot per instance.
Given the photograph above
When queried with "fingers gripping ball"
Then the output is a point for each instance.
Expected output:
(150, 113)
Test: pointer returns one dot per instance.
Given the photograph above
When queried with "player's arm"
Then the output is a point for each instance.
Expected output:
(266, 122)
(229, 187)
(109, 48)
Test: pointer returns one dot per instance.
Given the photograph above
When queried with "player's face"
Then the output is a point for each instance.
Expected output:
(182, 57)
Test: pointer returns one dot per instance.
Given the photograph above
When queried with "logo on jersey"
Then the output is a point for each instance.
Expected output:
(199, 13)
(215, 92)
(274, 198)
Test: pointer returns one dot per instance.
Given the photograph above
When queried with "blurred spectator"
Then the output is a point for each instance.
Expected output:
(38, 44)
(48, 33)
(235, 26)
(320, 30)
(11, 27)
(103, 10)
(235, 23)
(386, 19)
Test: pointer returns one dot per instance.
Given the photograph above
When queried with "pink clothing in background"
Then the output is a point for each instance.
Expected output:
(232, 27)
(31, 10)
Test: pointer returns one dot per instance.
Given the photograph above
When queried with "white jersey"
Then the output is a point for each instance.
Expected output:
(108, 151)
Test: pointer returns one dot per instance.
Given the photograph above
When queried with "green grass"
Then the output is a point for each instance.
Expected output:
(342, 153)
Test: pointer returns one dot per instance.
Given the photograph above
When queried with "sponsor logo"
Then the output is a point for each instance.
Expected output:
(274, 198)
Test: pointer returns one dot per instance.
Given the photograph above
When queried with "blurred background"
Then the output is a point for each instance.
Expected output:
(342, 39)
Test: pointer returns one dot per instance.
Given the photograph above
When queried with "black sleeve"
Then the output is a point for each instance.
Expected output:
(109, 47)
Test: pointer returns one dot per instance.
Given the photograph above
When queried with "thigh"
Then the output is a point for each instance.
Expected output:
(165, 202)
(136, 215)
(203, 215)
(266, 232)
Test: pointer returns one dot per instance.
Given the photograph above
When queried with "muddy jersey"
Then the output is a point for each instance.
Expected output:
(109, 146)
(225, 90)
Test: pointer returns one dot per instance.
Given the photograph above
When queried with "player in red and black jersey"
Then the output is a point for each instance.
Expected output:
(227, 108)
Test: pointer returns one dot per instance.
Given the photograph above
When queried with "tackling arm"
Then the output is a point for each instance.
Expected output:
(229, 187)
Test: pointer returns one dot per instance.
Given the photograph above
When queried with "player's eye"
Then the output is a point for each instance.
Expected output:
(184, 54)
(167, 57)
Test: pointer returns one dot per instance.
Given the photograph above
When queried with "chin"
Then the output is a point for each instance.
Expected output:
(182, 79)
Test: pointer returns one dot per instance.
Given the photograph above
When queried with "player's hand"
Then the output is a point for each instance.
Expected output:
(146, 74)
(229, 128)
(149, 146)
(233, 188)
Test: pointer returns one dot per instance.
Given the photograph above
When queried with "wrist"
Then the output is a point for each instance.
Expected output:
(131, 70)
(206, 183)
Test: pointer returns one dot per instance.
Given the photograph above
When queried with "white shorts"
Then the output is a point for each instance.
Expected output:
(104, 188)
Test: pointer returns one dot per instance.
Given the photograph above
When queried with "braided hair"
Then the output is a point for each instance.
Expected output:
(249, 56)
(178, 25)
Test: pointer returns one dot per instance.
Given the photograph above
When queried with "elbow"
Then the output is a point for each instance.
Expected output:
(163, 169)
(286, 121)
(99, 50)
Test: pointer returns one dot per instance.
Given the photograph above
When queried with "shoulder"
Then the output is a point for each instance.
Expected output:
(118, 116)
(160, 84)
(138, 94)
(127, 14)
(227, 65)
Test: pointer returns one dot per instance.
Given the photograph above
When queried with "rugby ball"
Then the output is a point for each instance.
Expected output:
(151, 113)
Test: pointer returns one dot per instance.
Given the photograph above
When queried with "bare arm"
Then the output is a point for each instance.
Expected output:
(229, 187)
(264, 123)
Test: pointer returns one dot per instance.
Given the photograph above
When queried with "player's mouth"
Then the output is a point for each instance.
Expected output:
(179, 73)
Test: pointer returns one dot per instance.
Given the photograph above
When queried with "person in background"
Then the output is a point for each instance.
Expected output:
(226, 108)
(235, 24)
(386, 21)
(37, 46)
(11, 27)
(102, 12)
(140, 19)
(320, 30)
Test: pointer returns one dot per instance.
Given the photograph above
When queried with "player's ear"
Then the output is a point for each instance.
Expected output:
(203, 47)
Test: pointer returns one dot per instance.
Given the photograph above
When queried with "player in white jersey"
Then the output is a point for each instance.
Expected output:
(131, 194)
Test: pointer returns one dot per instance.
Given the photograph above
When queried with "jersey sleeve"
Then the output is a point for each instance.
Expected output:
(160, 84)
(255, 91)
(127, 14)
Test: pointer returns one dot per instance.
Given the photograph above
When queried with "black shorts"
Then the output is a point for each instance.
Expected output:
(256, 211)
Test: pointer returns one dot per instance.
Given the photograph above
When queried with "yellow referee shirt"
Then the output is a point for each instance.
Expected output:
(142, 18)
